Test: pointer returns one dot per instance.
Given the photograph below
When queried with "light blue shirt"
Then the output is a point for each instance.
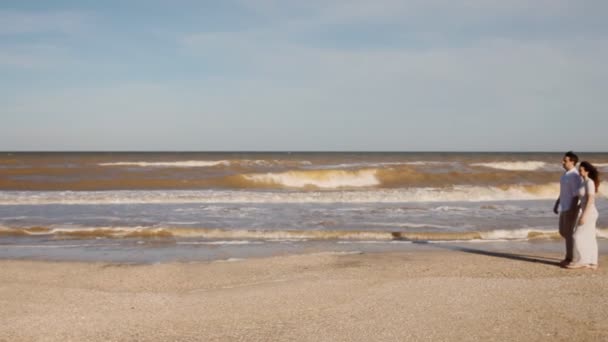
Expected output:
(569, 184)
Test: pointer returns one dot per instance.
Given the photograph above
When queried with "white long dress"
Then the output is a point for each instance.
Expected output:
(585, 242)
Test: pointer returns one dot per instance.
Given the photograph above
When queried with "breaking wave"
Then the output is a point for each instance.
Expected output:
(409, 195)
(514, 166)
(187, 163)
(380, 164)
(603, 166)
(210, 163)
(323, 179)
(221, 236)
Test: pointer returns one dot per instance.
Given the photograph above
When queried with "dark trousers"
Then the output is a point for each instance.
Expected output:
(567, 222)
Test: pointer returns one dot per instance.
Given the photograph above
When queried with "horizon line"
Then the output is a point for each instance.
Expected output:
(292, 151)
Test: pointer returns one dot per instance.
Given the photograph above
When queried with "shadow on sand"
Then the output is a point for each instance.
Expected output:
(511, 256)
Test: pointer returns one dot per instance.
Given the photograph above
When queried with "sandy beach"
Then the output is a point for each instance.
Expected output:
(464, 294)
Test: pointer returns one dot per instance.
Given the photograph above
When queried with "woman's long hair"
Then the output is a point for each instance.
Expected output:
(593, 173)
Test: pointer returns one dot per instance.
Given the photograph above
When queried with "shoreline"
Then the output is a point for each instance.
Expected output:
(428, 294)
(186, 251)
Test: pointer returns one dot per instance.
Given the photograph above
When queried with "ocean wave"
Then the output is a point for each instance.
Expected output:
(236, 237)
(323, 179)
(409, 225)
(185, 163)
(211, 163)
(269, 163)
(221, 242)
(374, 242)
(230, 260)
(244, 177)
(451, 194)
(378, 164)
(601, 165)
(61, 245)
(514, 166)
(381, 178)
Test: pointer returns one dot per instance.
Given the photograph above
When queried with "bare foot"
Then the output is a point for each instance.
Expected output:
(575, 266)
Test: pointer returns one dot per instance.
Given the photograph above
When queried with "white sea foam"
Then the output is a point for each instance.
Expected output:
(185, 163)
(287, 240)
(602, 232)
(209, 163)
(326, 179)
(338, 253)
(457, 193)
(374, 242)
(229, 260)
(47, 246)
(518, 234)
(450, 208)
(472, 241)
(275, 162)
(221, 243)
(409, 225)
(601, 165)
(514, 166)
(377, 164)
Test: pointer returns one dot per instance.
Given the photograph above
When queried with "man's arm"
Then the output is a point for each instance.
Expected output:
(576, 184)
(576, 205)
(556, 206)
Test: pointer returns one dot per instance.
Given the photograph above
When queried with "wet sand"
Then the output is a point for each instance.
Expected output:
(460, 294)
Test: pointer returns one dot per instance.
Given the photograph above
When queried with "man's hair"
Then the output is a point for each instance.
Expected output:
(573, 157)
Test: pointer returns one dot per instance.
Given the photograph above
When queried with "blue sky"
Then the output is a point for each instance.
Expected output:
(386, 75)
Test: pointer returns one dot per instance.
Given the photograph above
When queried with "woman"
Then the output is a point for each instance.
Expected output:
(585, 243)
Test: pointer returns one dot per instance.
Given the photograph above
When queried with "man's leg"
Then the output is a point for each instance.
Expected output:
(567, 220)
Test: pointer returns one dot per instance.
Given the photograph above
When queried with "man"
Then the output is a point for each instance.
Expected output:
(567, 203)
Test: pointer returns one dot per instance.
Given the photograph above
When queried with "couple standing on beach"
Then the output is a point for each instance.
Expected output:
(577, 212)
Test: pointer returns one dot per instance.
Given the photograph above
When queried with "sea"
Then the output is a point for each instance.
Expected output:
(227, 206)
